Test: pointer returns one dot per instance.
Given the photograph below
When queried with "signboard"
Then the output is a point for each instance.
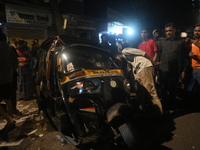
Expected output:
(115, 27)
(22, 16)
(80, 21)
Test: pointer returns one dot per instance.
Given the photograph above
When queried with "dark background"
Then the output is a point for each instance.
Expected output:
(151, 13)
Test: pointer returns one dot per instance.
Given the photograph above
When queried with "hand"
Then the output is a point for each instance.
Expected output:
(128, 69)
(182, 75)
(191, 40)
(187, 40)
(156, 63)
(191, 54)
(195, 42)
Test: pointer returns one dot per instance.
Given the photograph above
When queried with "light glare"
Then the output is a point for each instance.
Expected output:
(130, 31)
(64, 56)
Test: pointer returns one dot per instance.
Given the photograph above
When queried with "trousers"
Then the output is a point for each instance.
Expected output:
(146, 84)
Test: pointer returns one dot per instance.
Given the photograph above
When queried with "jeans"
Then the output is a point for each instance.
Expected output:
(192, 81)
(197, 74)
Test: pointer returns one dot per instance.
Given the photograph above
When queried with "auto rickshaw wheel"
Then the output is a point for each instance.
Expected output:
(130, 136)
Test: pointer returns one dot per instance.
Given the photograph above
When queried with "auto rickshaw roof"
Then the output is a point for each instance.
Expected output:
(70, 41)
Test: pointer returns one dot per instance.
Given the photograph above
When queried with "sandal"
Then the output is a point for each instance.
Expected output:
(16, 117)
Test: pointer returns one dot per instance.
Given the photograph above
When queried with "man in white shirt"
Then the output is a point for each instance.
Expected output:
(142, 70)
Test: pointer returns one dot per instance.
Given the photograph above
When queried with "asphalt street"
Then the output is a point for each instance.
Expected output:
(179, 130)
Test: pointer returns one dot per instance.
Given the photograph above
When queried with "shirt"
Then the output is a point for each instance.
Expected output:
(149, 47)
(23, 57)
(136, 57)
(196, 61)
(8, 63)
(172, 55)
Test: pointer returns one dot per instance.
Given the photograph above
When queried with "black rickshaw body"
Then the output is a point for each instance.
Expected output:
(87, 91)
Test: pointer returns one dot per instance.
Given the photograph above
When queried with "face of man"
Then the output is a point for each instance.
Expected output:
(170, 32)
(156, 35)
(197, 32)
(14, 40)
(104, 39)
(144, 34)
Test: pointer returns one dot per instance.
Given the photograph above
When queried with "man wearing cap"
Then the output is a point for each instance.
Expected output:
(156, 35)
(142, 67)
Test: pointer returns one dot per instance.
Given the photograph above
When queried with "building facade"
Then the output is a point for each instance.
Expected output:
(27, 23)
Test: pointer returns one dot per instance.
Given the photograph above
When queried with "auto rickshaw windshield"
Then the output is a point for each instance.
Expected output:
(84, 57)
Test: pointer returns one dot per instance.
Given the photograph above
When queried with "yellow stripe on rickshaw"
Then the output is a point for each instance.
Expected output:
(88, 72)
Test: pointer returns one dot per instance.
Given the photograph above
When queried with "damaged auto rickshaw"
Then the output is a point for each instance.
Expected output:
(84, 93)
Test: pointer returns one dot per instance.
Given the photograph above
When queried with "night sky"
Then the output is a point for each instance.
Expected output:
(151, 13)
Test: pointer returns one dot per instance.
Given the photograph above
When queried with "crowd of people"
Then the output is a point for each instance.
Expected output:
(159, 65)
(16, 75)
(155, 69)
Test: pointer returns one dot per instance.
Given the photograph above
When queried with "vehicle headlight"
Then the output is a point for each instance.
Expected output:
(89, 86)
(127, 85)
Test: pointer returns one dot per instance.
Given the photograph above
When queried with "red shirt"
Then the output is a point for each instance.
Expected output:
(149, 47)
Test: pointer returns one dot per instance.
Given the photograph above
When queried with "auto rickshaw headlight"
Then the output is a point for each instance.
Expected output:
(127, 85)
(89, 86)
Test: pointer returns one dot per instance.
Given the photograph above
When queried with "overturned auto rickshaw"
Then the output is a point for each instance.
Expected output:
(84, 93)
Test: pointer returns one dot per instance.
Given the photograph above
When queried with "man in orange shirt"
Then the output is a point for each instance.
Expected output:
(195, 53)
(148, 45)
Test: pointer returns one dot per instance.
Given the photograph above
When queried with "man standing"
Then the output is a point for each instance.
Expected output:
(9, 63)
(156, 35)
(195, 53)
(113, 46)
(148, 45)
(142, 69)
(104, 41)
(172, 54)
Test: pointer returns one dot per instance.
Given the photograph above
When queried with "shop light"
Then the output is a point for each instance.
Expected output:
(130, 31)
(183, 34)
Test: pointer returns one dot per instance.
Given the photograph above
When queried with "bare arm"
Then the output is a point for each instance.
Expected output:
(155, 57)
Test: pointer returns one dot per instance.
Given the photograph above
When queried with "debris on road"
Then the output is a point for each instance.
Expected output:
(16, 143)
(32, 132)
